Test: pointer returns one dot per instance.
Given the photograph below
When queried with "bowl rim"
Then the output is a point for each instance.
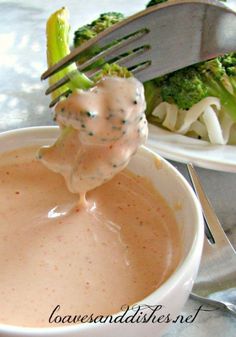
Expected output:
(175, 277)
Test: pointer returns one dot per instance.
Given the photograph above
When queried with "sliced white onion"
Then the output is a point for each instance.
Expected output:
(206, 119)
(167, 113)
(213, 126)
(200, 129)
(195, 112)
(226, 124)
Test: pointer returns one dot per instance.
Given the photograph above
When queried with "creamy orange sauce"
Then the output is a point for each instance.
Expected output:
(101, 129)
(116, 251)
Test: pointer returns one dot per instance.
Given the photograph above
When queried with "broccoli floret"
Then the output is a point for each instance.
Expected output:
(112, 70)
(229, 62)
(155, 2)
(106, 20)
(89, 31)
(188, 86)
(152, 96)
(216, 80)
(184, 88)
(83, 34)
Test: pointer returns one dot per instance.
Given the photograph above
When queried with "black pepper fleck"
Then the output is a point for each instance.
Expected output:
(90, 114)
(90, 133)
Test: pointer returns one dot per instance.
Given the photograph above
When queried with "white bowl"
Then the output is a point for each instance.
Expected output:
(174, 292)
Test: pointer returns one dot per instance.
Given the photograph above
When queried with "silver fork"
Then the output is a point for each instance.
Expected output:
(160, 39)
(216, 280)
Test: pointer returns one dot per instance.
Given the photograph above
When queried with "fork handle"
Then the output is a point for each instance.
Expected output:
(229, 307)
(210, 216)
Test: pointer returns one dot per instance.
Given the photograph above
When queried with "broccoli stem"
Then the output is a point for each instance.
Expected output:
(228, 101)
(152, 96)
(233, 83)
(57, 31)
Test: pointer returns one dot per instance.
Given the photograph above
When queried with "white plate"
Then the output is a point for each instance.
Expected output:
(184, 149)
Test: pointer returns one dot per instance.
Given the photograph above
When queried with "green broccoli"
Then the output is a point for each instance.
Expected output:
(184, 88)
(89, 31)
(229, 62)
(188, 86)
(57, 31)
(112, 70)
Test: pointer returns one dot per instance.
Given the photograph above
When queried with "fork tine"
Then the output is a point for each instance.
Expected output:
(136, 59)
(137, 69)
(215, 281)
(122, 60)
(168, 46)
(168, 49)
(111, 52)
(57, 84)
(115, 33)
